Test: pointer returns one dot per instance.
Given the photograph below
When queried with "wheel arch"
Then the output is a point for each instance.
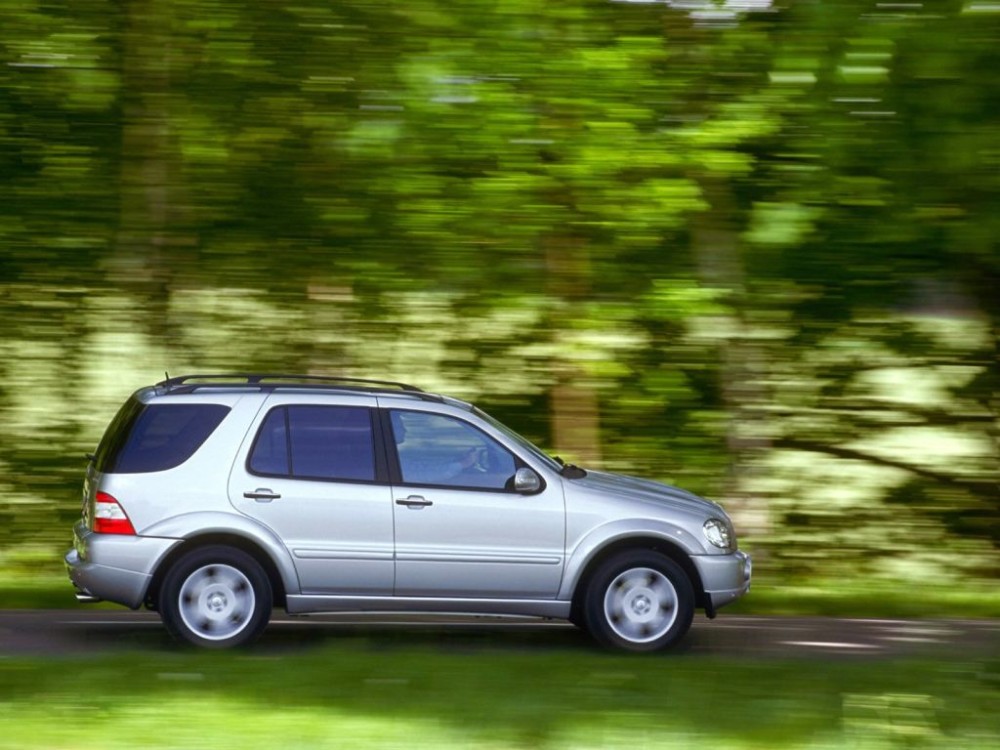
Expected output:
(652, 543)
(226, 539)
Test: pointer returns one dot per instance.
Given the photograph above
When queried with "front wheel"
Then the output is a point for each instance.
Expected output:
(216, 597)
(639, 601)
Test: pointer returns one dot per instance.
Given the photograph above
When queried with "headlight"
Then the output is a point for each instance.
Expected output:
(718, 534)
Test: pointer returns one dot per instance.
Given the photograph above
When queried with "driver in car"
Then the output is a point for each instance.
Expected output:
(428, 469)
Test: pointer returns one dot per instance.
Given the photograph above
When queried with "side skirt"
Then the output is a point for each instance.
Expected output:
(300, 604)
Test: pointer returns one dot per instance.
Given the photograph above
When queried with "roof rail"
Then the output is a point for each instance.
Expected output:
(188, 382)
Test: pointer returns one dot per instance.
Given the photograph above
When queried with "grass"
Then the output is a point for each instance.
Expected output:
(870, 598)
(379, 694)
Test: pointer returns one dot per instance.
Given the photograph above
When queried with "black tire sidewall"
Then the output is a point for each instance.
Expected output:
(219, 555)
(593, 607)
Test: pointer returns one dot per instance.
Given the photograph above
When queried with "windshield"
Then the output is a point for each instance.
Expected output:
(522, 442)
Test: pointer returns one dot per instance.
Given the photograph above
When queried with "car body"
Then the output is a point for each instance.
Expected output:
(212, 499)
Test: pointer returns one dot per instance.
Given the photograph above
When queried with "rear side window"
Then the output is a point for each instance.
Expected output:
(332, 443)
(156, 437)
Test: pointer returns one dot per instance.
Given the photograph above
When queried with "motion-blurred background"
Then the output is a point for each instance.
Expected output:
(743, 246)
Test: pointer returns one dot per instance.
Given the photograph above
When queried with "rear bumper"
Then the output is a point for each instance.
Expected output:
(725, 578)
(114, 567)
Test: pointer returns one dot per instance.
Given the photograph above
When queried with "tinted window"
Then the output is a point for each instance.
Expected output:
(270, 451)
(439, 450)
(156, 437)
(116, 435)
(316, 442)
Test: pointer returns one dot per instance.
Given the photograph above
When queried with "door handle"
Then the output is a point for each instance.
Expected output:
(414, 501)
(262, 495)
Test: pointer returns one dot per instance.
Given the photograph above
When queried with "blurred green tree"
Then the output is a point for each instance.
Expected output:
(752, 253)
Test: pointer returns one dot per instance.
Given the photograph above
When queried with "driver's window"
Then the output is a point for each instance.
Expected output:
(444, 451)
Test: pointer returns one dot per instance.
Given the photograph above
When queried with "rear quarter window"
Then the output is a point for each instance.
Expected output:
(156, 437)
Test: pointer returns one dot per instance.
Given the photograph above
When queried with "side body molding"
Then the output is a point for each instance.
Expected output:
(192, 525)
(586, 548)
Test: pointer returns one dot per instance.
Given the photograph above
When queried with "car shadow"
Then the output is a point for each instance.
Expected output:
(304, 635)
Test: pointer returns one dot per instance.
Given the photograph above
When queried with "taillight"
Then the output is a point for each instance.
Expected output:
(110, 517)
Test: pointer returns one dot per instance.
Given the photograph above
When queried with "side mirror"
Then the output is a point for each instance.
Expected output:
(526, 481)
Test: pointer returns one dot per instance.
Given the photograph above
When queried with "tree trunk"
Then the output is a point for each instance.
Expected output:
(141, 262)
(716, 247)
(576, 422)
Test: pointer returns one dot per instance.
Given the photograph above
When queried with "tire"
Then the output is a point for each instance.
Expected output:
(216, 597)
(638, 601)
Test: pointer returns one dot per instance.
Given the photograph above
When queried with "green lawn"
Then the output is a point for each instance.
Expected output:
(866, 598)
(374, 694)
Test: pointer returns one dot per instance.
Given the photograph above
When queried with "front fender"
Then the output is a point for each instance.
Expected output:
(193, 525)
(599, 538)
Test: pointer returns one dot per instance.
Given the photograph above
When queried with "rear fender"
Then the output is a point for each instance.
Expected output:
(192, 525)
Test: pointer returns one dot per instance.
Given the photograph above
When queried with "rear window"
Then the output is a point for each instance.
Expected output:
(156, 437)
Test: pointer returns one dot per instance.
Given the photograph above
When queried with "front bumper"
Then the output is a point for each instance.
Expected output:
(725, 578)
(114, 567)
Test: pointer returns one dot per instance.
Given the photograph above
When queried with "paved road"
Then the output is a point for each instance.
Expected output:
(89, 631)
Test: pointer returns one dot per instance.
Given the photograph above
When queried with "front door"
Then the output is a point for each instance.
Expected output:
(311, 475)
(461, 530)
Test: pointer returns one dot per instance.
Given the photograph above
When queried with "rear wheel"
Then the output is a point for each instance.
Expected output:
(639, 601)
(216, 597)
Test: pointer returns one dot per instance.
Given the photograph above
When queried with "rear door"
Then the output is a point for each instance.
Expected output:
(310, 471)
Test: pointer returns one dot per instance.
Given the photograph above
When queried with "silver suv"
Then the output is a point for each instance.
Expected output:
(212, 499)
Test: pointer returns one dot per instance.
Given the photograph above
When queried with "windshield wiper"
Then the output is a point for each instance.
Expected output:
(571, 471)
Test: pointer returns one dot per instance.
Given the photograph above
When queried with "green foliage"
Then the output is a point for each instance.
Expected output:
(761, 247)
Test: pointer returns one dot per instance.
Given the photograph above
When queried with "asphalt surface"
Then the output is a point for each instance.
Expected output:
(88, 631)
